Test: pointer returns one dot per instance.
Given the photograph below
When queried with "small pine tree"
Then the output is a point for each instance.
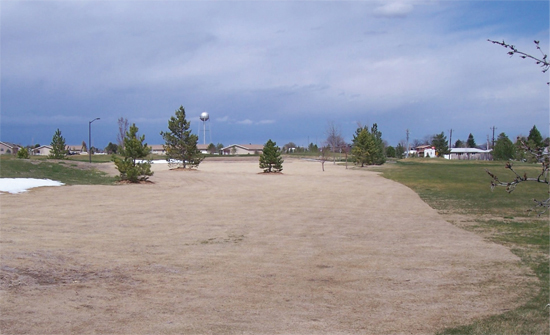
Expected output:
(390, 151)
(471, 143)
(313, 147)
(379, 154)
(439, 142)
(211, 148)
(270, 159)
(363, 145)
(133, 167)
(59, 148)
(535, 138)
(111, 148)
(180, 145)
(368, 147)
(400, 151)
(504, 148)
(23, 153)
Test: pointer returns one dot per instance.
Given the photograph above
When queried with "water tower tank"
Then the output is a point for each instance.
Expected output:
(204, 116)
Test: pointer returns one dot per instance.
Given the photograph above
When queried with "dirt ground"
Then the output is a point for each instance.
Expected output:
(226, 250)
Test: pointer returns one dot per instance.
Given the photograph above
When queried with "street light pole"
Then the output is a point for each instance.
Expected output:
(90, 138)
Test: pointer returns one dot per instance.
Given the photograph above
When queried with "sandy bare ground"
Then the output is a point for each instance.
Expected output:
(225, 250)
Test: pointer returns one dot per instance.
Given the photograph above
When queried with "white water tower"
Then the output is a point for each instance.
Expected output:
(204, 117)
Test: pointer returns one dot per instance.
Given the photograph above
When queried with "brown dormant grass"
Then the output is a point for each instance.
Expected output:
(226, 250)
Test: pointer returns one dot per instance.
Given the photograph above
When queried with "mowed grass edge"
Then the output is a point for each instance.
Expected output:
(65, 171)
(463, 188)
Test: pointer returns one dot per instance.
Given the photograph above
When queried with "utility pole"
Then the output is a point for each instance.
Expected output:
(493, 128)
(450, 142)
(407, 155)
(90, 138)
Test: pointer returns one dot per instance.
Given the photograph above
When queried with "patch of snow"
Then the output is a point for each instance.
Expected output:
(19, 185)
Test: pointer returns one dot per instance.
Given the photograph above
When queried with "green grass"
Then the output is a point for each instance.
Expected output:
(463, 187)
(64, 171)
(86, 158)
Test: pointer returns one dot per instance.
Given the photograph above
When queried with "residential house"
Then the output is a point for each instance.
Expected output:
(8, 148)
(423, 151)
(243, 149)
(76, 150)
(203, 148)
(470, 154)
(43, 150)
(157, 149)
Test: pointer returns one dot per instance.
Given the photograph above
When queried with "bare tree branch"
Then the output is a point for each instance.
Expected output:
(543, 62)
(334, 139)
(122, 129)
(542, 156)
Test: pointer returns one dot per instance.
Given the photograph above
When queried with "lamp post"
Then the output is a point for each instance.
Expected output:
(90, 138)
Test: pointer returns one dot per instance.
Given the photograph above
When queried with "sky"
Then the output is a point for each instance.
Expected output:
(280, 70)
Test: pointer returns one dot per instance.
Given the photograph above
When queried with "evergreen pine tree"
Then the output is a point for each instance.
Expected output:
(535, 138)
(471, 143)
(133, 167)
(368, 147)
(390, 151)
(59, 148)
(270, 159)
(180, 145)
(313, 147)
(504, 148)
(23, 153)
(211, 148)
(379, 154)
(363, 146)
(400, 150)
(439, 142)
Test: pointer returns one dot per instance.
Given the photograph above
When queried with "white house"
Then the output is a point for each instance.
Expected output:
(469, 154)
(43, 150)
(76, 150)
(243, 149)
(423, 151)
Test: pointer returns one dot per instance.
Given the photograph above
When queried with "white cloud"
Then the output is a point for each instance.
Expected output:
(246, 121)
(249, 122)
(394, 9)
(248, 63)
(222, 119)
